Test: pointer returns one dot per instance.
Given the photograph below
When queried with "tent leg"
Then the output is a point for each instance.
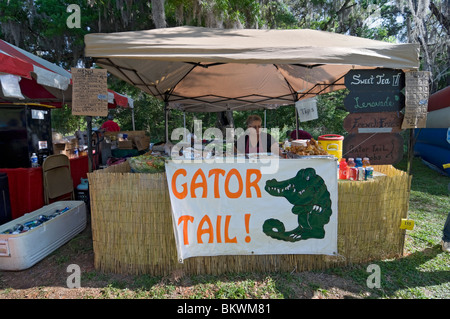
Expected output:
(166, 119)
(132, 118)
(89, 127)
(265, 118)
(296, 123)
(411, 143)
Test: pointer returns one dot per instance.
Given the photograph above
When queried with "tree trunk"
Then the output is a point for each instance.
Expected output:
(158, 14)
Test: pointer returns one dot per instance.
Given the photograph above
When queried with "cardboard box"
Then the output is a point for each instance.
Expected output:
(142, 142)
(125, 145)
(58, 147)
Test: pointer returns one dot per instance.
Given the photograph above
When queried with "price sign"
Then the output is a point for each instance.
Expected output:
(90, 92)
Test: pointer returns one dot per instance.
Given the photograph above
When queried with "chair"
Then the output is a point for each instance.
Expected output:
(57, 179)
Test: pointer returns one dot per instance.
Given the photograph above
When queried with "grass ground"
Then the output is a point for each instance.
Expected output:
(423, 272)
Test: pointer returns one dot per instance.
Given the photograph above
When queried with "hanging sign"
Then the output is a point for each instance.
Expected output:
(381, 122)
(381, 148)
(240, 209)
(307, 109)
(10, 86)
(416, 105)
(366, 102)
(374, 90)
(89, 92)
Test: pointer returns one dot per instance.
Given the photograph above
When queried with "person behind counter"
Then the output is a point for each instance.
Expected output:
(110, 125)
(255, 140)
(300, 135)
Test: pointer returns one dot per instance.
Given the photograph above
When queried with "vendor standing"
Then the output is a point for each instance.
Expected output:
(110, 125)
(300, 135)
(255, 140)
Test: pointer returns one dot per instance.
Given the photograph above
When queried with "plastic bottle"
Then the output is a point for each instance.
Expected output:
(34, 160)
(358, 162)
(365, 162)
(352, 170)
(343, 169)
(351, 162)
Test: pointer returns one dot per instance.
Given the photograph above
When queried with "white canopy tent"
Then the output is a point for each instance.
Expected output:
(211, 70)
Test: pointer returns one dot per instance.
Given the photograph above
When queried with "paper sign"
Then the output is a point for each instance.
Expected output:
(407, 224)
(224, 209)
(416, 99)
(10, 86)
(307, 109)
(90, 92)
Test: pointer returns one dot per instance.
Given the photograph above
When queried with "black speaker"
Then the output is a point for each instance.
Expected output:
(5, 202)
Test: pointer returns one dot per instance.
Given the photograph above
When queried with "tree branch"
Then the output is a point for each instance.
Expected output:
(440, 17)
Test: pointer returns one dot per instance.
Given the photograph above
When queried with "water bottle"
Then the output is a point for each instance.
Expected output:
(34, 160)
(343, 169)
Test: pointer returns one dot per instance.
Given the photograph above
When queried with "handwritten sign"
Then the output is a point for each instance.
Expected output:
(375, 80)
(90, 92)
(307, 109)
(381, 122)
(381, 148)
(378, 90)
(366, 102)
(416, 104)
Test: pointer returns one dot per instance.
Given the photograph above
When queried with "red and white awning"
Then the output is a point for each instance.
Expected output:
(27, 78)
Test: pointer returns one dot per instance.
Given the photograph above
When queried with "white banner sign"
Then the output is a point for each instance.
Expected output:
(240, 209)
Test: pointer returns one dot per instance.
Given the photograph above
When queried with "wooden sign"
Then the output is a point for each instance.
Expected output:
(381, 122)
(89, 92)
(366, 102)
(375, 80)
(377, 90)
(380, 148)
(417, 94)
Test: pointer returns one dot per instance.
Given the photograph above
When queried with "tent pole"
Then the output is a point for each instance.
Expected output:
(265, 117)
(132, 118)
(89, 127)
(296, 123)
(166, 113)
(411, 143)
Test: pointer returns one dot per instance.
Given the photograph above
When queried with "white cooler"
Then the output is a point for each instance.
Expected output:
(23, 250)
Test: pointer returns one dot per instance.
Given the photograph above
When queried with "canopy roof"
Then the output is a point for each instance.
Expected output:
(209, 70)
(27, 78)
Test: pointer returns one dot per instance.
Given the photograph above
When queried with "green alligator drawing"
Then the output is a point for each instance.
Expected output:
(312, 204)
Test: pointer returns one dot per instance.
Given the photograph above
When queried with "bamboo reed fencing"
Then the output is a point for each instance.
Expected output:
(133, 232)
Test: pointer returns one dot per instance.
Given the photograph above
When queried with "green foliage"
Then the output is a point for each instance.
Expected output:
(40, 27)
(65, 123)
